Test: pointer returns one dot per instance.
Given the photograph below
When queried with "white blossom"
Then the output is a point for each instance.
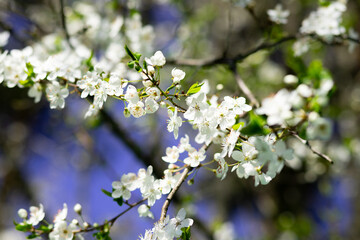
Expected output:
(56, 95)
(195, 158)
(278, 15)
(157, 59)
(62, 231)
(144, 211)
(174, 122)
(37, 214)
(177, 75)
(151, 105)
(172, 155)
(137, 110)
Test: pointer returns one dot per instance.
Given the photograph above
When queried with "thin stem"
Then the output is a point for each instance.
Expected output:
(306, 142)
(244, 88)
(113, 220)
(63, 24)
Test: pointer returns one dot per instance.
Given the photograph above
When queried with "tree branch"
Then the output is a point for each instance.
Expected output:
(306, 142)
(63, 24)
(226, 60)
(241, 56)
(165, 207)
(244, 88)
(113, 220)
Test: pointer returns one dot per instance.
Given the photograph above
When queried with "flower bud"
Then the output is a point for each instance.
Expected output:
(219, 87)
(75, 222)
(22, 213)
(147, 83)
(162, 104)
(78, 208)
(86, 225)
(126, 112)
(290, 79)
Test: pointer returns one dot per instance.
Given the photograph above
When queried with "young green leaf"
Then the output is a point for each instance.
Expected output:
(196, 87)
(106, 192)
(255, 126)
(128, 51)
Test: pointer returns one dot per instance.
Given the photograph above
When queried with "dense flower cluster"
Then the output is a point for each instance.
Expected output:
(151, 189)
(61, 230)
(248, 139)
(326, 21)
(169, 228)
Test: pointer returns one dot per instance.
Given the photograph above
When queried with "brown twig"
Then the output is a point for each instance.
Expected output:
(244, 88)
(63, 24)
(241, 56)
(113, 220)
(306, 143)
(165, 207)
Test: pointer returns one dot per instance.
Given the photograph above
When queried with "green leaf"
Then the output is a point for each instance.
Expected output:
(32, 236)
(315, 73)
(23, 227)
(44, 228)
(186, 234)
(324, 3)
(119, 201)
(88, 62)
(196, 87)
(102, 235)
(145, 66)
(138, 68)
(30, 70)
(130, 53)
(256, 126)
(137, 56)
(133, 12)
(238, 125)
(131, 64)
(26, 83)
(106, 192)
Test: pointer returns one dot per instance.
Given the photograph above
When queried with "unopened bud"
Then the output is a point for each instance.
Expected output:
(162, 104)
(86, 225)
(219, 87)
(22, 213)
(290, 79)
(126, 112)
(75, 222)
(190, 182)
(147, 83)
(78, 208)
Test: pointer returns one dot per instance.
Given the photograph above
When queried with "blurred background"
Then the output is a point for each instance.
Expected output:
(54, 157)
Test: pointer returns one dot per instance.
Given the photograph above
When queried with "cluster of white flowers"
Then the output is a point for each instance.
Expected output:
(152, 189)
(286, 108)
(51, 66)
(169, 228)
(325, 21)
(257, 153)
(61, 230)
(53, 69)
(212, 119)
